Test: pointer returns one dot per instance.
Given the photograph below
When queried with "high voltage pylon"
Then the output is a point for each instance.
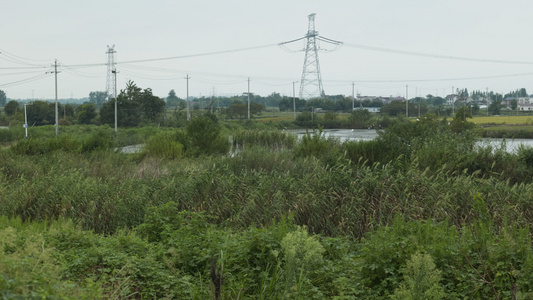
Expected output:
(110, 86)
(311, 82)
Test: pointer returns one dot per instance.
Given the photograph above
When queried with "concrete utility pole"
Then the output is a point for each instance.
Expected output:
(26, 118)
(57, 113)
(188, 110)
(453, 102)
(114, 72)
(248, 98)
(419, 98)
(406, 101)
(488, 101)
(294, 99)
(353, 96)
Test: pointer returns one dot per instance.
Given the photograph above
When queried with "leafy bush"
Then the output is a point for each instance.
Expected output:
(204, 136)
(306, 119)
(99, 140)
(164, 145)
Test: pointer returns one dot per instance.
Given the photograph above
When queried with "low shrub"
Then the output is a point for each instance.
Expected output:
(164, 145)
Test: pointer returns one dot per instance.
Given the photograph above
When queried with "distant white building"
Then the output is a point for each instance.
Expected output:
(525, 100)
(525, 106)
(451, 99)
(519, 100)
(370, 109)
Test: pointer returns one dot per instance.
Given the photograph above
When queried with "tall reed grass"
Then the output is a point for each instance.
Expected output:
(270, 139)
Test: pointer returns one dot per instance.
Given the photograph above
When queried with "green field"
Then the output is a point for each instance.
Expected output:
(501, 120)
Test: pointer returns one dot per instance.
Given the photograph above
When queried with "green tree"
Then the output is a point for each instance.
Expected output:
(172, 99)
(97, 98)
(495, 108)
(238, 109)
(514, 104)
(256, 108)
(287, 104)
(459, 122)
(133, 105)
(3, 98)
(68, 110)
(397, 108)
(41, 113)
(11, 107)
(151, 106)
(438, 101)
(359, 118)
(204, 134)
(85, 113)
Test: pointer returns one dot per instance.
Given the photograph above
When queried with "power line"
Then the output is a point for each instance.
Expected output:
(178, 57)
(421, 54)
(26, 80)
(441, 79)
(23, 58)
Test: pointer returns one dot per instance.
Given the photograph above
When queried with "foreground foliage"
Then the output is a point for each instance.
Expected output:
(420, 212)
(183, 255)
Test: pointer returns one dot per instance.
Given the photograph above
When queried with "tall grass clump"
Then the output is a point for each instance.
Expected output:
(98, 140)
(10, 135)
(40, 146)
(136, 136)
(364, 152)
(402, 137)
(255, 159)
(316, 144)
(271, 139)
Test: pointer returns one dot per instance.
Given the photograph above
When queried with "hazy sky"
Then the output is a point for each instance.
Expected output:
(76, 33)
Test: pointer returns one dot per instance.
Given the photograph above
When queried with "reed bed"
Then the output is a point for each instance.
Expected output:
(107, 192)
(271, 139)
(320, 219)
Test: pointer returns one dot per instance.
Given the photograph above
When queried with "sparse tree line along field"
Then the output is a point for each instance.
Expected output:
(213, 208)
(137, 106)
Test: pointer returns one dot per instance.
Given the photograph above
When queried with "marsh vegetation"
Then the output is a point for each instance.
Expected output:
(419, 212)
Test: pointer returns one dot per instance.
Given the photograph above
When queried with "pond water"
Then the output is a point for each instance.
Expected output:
(511, 145)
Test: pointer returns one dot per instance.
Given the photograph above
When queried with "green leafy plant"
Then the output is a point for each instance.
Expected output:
(422, 280)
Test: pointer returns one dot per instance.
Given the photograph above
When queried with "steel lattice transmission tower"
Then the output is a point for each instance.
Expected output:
(311, 82)
(111, 69)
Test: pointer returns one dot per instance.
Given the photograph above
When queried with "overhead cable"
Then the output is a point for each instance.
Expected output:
(421, 54)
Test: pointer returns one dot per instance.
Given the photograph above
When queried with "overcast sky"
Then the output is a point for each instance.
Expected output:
(76, 33)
